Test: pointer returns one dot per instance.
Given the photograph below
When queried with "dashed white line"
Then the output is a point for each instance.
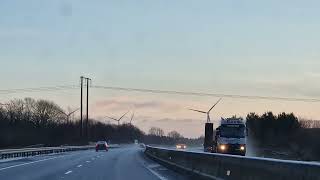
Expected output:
(9, 167)
(68, 172)
(88, 161)
(79, 166)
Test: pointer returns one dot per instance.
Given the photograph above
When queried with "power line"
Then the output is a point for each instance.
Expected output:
(155, 91)
(37, 89)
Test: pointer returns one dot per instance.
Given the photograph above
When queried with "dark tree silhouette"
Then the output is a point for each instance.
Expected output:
(29, 122)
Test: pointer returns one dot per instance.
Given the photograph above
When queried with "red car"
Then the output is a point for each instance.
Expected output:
(102, 145)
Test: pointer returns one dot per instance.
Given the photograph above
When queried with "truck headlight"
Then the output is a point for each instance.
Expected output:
(223, 147)
(242, 148)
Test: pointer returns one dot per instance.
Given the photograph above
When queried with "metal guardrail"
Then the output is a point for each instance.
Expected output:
(220, 166)
(26, 152)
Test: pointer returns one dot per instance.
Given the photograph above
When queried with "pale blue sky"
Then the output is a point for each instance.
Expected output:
(249, 47)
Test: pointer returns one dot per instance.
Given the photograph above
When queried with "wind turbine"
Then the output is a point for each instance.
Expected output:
(131, 118)
(69, 114)
(208, 113)
(118, 120)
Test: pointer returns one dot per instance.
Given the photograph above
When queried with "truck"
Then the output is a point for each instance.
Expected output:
(230, 137)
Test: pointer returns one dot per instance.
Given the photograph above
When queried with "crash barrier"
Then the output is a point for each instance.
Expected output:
(142, 145)
(26, 152)
(220, 166)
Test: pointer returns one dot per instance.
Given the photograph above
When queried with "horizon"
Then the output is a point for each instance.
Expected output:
(244, 48)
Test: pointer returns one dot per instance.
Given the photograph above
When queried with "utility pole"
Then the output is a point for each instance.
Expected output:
(81, 108)
(85, 130)
(87, 117)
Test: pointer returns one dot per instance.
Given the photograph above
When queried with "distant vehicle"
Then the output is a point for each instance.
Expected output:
(230, 137)
(181, 146)
(102, 145)
(136, 141)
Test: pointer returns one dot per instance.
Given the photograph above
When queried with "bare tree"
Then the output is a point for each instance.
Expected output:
(306, 123)
(155, 131)
(316, 124)
(15, 110)
(29, 108)
(309, 123)
(175, 135)
(47, 112)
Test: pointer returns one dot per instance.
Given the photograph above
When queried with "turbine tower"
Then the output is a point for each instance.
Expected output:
(131, 118)
(208, 112)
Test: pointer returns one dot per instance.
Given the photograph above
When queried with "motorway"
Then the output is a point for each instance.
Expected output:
(126, 162)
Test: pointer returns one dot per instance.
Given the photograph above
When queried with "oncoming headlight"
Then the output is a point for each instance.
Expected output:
(223, 147)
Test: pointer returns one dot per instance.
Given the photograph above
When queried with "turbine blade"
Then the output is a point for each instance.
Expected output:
(61, 111)
(73, 111)
(214, 105)
(123, 116)
(112, 118)
(198, 111)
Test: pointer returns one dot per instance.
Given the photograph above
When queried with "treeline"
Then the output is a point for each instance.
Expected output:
(157, 136)
(30, 122)
(285, 132)
(269, 128)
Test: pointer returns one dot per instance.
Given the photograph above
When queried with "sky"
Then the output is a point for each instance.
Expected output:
(242, 47)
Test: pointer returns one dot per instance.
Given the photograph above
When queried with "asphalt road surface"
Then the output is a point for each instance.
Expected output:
(123, 163)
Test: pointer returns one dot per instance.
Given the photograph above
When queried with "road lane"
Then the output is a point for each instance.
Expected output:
(117, 164)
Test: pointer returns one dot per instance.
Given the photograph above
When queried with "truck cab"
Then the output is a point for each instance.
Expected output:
(230, 137)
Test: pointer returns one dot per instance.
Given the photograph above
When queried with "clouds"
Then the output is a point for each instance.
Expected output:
(137, 103)
(304, 85)
(176, 120)
(116, 104)
(186, 126)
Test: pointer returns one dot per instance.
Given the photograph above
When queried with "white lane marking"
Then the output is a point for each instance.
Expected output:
(79, 166)
(68, 172)
(162, 169)
(156, 174)
(154, 165)
(88, 161)
(23, 164)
